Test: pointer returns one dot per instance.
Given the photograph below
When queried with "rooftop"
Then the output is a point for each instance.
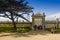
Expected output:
(38, 14)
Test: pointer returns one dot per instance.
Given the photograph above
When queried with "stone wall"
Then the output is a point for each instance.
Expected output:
(49, 25)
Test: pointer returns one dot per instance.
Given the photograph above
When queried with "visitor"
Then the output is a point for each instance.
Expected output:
(35, 26)
(41, 27)
(38, 27)
(55, 29)
(52, 30)
(44, 27)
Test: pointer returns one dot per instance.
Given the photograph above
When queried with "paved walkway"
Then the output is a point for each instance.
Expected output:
(33, 35)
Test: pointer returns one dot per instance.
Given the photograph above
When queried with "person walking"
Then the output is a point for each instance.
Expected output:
(35, 27)
(52, 30)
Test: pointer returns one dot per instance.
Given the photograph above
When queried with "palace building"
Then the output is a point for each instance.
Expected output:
(39, 19)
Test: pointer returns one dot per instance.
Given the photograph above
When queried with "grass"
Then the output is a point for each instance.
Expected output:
(49, 29)
(11, 29)
(57, 30)
(6, 29)
(21, 30)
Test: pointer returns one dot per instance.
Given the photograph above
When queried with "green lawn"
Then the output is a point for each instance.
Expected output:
(57, 30)
(11, 29)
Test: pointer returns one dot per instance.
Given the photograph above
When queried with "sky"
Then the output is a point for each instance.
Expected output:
(48, 6)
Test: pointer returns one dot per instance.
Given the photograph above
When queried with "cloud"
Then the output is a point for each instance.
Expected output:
(53, 16)
(49, 17)
(2, 19)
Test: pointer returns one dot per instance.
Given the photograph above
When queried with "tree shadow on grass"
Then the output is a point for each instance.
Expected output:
(28, 34)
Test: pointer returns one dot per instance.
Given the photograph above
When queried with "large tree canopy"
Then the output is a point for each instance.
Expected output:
(14, 6)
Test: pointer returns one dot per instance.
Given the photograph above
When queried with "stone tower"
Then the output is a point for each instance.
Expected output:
(38, 19)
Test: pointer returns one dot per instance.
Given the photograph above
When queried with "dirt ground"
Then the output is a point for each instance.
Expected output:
(32, 35)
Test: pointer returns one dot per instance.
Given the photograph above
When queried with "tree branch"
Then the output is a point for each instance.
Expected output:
(7, 16)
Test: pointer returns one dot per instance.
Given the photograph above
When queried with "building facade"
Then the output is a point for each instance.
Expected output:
(39, 19)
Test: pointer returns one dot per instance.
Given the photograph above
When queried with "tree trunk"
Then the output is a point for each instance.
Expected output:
(14, 24)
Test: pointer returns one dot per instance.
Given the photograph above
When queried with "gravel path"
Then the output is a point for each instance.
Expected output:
(33, 35)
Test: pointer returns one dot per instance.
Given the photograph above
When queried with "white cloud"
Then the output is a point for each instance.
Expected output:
(2, 19)
(53, 16)
(49, 17)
